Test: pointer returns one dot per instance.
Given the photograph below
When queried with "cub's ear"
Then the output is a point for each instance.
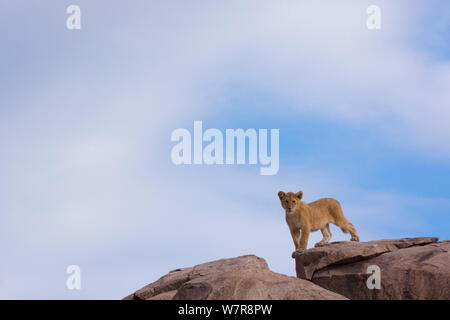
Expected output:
(299, 195)
(281, 195)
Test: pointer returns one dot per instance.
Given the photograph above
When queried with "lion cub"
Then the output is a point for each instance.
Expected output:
(313, 216)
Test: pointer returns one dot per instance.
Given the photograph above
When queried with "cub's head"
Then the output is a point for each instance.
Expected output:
(290, 200)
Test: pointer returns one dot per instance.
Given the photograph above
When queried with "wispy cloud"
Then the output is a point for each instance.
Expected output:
(86, 120)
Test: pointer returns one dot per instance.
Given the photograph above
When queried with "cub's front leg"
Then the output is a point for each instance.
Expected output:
(304, 238)
(295, 233)
(302, 242)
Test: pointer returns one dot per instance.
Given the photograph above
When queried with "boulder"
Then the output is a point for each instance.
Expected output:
(246, 277)
(410, 268)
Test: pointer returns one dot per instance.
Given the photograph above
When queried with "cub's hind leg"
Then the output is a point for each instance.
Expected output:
(326, 236)
(347, 227)
(343, 223)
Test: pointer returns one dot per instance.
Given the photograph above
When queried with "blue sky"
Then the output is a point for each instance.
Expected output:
(86, 118)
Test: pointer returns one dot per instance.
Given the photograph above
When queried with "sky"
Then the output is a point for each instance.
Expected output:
(86, 117)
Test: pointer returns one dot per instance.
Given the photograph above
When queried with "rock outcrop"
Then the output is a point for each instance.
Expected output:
(411, 268)
(247, 278)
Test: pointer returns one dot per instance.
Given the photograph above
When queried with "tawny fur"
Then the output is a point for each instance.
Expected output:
(309, 217)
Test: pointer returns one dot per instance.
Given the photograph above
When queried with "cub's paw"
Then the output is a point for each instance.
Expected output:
(355, 239)
(319, 244)
(295, 252)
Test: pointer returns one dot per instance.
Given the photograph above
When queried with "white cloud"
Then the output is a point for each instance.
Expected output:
(88, 174)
